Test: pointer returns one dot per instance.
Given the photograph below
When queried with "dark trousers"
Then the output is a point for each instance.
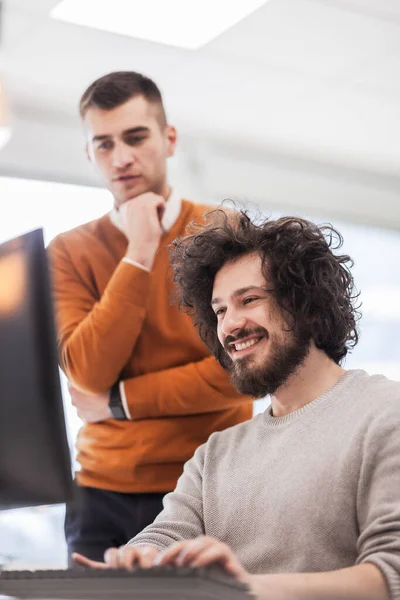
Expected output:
(99, 519)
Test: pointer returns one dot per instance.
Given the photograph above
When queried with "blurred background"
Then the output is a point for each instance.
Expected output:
(293, 105)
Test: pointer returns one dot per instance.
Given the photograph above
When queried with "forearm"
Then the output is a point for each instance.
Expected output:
(194, 388)
(157, 536)
(95, 353)
(180, 520)
(361, 582)
(95, 345)
(182, 515)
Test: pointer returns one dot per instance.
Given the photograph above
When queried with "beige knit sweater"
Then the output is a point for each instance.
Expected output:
(316, 490)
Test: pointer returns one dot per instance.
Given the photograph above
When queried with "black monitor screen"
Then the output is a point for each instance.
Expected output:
(34, 456)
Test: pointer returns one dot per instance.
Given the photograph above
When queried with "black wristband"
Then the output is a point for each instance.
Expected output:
(115, 404)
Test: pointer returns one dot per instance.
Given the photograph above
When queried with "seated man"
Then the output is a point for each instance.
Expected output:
(302, 501)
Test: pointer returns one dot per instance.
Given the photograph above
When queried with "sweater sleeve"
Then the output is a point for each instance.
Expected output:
(96, 336)
(193, 388)
(378, 502)
(182, 516)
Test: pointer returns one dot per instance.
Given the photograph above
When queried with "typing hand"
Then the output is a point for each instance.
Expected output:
(201, 552)
(125, 557)
(90, 408)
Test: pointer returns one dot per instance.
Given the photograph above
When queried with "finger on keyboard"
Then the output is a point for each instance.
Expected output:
(82, 560)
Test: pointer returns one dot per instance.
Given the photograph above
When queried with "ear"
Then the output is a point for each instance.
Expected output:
(171, 138)
(88, 153)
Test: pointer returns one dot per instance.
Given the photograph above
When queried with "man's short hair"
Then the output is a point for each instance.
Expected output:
(312, 286)
(114, 89)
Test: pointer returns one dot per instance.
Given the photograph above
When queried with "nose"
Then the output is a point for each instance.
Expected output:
(122, 156)
(233, 321)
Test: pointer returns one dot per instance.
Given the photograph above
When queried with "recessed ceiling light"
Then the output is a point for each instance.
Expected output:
(184, 23)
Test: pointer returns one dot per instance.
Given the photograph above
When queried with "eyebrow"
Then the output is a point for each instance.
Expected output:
(133, 130)
(237, 293)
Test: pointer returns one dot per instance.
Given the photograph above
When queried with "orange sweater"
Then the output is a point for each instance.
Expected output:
(116, 321)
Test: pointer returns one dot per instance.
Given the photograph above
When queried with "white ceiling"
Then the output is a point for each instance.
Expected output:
(298, 104)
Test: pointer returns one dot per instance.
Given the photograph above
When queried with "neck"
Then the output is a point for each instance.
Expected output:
(316, 375)
(165, 191)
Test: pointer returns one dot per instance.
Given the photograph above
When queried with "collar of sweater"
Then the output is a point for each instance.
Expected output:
(172, 210)
(351, 382)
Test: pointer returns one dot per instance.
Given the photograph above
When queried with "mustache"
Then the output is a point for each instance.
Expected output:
(244, 333)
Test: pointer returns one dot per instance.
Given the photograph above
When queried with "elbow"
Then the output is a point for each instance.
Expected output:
(85, 376)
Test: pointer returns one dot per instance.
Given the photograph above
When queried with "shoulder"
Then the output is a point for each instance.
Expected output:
(380, 406)
(366, 397)
(203, 214)
(73, 239)
(379, 391)
(195, 209)
(380, 383)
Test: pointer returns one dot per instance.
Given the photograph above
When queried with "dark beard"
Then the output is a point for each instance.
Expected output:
(282, 362)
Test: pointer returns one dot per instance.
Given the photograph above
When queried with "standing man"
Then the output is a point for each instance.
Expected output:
(146, 387)
(303, 501)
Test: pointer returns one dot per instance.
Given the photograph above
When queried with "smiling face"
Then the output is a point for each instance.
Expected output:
(252, 329)
(129, 146)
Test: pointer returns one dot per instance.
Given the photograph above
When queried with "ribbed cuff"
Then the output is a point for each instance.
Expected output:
(124, 401)
(135, 264)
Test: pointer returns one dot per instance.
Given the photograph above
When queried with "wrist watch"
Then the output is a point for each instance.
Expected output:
(115, 403)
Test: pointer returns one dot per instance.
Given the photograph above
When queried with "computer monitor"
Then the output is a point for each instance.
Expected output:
(34, 455)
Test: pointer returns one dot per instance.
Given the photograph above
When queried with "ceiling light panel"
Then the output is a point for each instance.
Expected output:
(184, 23)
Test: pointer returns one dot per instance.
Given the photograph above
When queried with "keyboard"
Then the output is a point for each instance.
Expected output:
(156, 583)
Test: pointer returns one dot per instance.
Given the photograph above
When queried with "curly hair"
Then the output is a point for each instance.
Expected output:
(311, 285)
